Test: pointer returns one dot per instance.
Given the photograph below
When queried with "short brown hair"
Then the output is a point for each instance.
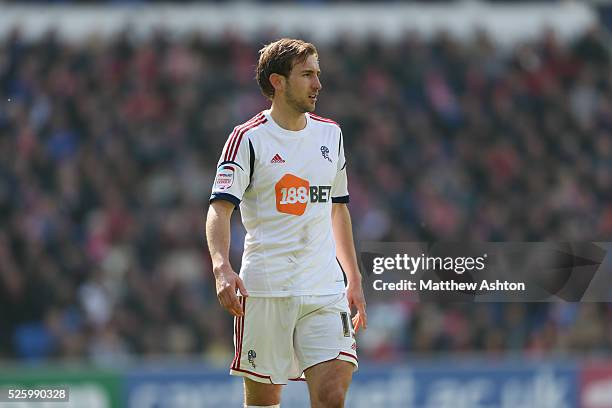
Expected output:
(279, 57)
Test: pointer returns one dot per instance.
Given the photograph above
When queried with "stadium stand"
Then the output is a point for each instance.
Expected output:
(107, 153)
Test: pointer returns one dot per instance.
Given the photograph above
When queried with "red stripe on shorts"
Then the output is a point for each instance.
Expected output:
(348, 355)
(237, 340)
(255, 374)
(243, 302)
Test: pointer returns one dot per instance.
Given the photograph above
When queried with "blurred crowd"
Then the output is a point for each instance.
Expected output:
(108, 150)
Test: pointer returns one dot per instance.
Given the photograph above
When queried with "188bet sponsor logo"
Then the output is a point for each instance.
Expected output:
(294, 193)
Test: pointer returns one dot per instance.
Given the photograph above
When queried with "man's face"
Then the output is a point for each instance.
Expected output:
(303, 85)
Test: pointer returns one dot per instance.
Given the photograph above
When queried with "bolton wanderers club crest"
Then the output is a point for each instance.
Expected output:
(325, 153)
(251, 354)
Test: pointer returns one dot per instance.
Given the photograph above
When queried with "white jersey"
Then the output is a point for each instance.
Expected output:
(285, 183)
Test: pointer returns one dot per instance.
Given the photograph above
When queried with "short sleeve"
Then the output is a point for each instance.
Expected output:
(340, 187)
(233, 170)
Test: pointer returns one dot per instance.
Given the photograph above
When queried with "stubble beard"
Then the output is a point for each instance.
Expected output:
(296, 104)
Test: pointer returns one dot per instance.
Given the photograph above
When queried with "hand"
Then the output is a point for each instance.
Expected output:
(227, 281)
(354, 295)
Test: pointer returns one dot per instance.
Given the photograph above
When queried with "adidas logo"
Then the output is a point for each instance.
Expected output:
(277, 159)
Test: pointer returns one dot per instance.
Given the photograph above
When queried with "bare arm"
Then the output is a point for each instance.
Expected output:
(218, 238)
(345, 251)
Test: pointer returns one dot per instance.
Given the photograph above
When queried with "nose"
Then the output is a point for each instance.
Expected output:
(317, 83)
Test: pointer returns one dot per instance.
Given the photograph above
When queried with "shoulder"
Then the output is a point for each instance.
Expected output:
(327, 126)
(235, 138)
(324, 121)
(250, 124)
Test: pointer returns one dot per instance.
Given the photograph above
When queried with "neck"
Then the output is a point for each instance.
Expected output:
(287, 118)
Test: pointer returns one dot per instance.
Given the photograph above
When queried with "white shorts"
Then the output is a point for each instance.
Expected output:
(280, 337)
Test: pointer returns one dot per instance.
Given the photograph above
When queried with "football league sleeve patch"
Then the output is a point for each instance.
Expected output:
(233, 170)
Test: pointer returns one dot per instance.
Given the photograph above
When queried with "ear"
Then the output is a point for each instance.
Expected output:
(278, 82)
